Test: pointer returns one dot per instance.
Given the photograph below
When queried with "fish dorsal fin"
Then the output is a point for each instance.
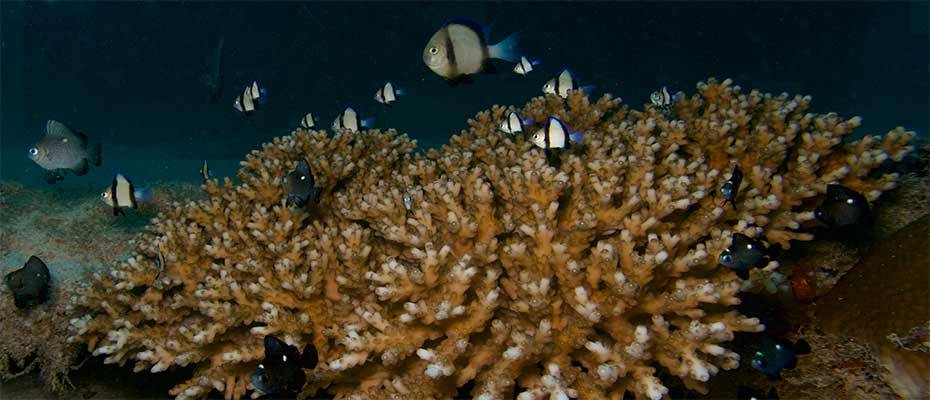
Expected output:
(59, 130)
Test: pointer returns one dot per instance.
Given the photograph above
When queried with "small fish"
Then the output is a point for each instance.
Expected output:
(349, 120)
(513, 124)
(744, 254)
(563, 83)
(299, 185)
(29, 283)
(245, 103)
(730, 187)
(662, 99)
(159, 264)
(843, 207)
(387, 95)
(460, 48)
(408, 202)
(777, 355)
(555, 135)
(308, 121)
(121, 193)
(205, 172)
(64, 150)
(748, 393)
(282, 369)
(525, 66)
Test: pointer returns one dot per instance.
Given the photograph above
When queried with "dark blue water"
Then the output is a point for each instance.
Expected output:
(129, 74)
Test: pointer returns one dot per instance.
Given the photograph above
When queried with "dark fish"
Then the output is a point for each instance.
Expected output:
(282, 369)
(777, 355)
(388, 93)
(308, 121)
(29, 283)
(662, 99)
(205, 172)
(748, 393)
(744, 254)
(843, 207)
(299, 186)
(555, 135)
(525, 66)
(122, 194)
(563, 83)
(408, 202)
(460, 48)
(64, 150)
(349, 120)
(730, 187)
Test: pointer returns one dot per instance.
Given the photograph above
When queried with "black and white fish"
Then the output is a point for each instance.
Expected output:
(205, 173)
(525, 66)
(282, 369)
(408, 202)
(730, 188)
(744, 254)
(387, 95)
(461, 48)
(662, 99)
(299, 186)
(122, 194)
(64, 150)
(159, 264)
(513, 125)
(256, 92)
(563, 83)
(245, 103)
(308, 121)
(555, 135)
(843, 207)
(349, 120)
(30, 283)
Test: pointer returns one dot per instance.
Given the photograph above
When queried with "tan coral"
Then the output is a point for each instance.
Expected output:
(576, 275)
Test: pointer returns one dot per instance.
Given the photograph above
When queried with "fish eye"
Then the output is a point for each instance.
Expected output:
(850, 201)
(726, 257)
(34, 151)
(548, 86)
(433, 50)
(104, 195)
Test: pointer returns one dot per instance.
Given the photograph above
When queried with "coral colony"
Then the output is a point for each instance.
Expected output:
(579, 273)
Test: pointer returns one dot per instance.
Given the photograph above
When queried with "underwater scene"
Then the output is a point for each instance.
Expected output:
(464, 200)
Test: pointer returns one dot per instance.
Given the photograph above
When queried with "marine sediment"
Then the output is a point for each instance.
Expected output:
(580, 273)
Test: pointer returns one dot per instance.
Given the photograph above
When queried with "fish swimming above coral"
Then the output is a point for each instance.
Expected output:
(563, 83)
(555, 135)
(308, 121)
(525, 66)
(281, 371)
(249, 99)
(460, 49)
(513, 124)
(348, 119)
(64, 150)
(662, 99)
(123, 194)
(213, 79)
(388, 93)
(29, 283)
(843, 207)
(205, 173)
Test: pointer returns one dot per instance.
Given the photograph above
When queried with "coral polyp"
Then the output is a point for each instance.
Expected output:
(578, 273)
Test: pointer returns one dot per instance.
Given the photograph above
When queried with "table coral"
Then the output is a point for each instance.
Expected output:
(484, 262)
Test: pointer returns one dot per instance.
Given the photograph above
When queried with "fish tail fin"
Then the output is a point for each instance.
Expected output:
(506, 49)
(367, 122)
(528, 121)
(143, 195)
(399, 91)
(588, 89)
(576, 137)
(535, 62)
(94, 155)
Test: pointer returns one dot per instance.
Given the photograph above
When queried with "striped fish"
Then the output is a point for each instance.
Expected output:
(460, 48)
(563, 83)
(513, 124)
(349, 120)
(122, 194)
(555, 135)
(205, 172)
(245, 103)
(308, 121)
(662, 99)
(524, 66)
(387, 95)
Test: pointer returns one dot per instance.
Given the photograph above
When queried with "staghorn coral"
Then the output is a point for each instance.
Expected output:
(485, 262)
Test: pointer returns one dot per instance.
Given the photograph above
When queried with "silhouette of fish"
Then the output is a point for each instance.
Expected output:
(29, 283)
(744, 254)
(64, 150)
(299, 185)
(777, 355)
(730, 187)
(282, 369)
(843, 207)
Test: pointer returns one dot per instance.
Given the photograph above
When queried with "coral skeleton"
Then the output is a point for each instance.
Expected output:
(575, 274)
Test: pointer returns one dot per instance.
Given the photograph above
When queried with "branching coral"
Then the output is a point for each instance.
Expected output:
(576, 275)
